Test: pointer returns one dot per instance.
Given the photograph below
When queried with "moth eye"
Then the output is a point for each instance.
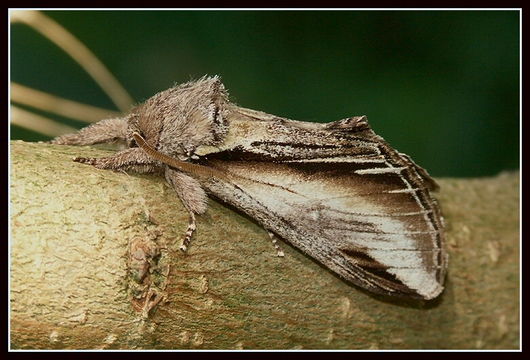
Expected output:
(132, 143)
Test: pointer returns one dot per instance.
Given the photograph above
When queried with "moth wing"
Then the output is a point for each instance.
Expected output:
(255, 135)
(339, 193)
(362, 226)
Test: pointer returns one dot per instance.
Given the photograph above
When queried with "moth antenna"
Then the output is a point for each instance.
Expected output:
(192, 169)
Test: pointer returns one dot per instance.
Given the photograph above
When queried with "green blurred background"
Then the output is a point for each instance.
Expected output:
(441, 86)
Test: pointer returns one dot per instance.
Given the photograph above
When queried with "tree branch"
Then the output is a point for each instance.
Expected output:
(71, 284)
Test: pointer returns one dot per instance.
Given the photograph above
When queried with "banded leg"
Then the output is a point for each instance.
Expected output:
(193, 198)
(189, 233)
(274, 239)
(129, 159)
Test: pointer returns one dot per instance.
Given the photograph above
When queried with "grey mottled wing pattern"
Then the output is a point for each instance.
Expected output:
(361, 209)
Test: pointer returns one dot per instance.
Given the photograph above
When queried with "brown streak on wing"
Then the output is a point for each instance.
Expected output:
(265, 172)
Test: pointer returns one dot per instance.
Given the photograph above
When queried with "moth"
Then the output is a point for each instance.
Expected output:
(336, 191)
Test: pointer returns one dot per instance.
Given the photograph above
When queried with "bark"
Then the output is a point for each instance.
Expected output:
(72, 287)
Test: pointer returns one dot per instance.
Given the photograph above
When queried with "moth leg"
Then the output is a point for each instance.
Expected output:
(129, 159)
(189, 233)
(274, 239)
(104, 131)
(192, 196)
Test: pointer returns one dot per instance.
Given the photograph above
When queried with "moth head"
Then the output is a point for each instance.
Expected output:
(181, 118)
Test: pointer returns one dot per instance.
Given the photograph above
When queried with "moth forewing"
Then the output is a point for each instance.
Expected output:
(336, 191)
(339, 193)
(348, 231)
